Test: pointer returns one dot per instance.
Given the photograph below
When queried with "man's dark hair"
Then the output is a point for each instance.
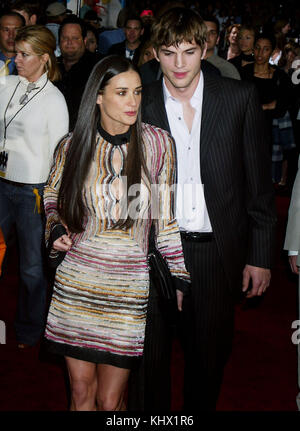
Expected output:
(212, 18)
(32, 8)
(178, 25)
(134, 18)
(73, 19)
(11, 13)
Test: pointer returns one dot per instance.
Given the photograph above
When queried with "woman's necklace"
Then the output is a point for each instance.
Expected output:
(263, 74)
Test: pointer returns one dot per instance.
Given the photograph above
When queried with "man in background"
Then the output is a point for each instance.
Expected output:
(29, 10)
(9, 24)
(130, 47)
(75, 63)
(55, 14)
(227, 69)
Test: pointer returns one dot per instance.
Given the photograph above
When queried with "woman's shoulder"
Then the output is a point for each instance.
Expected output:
(53, 99)
(63, 145)
(53, 91)
(149, 130)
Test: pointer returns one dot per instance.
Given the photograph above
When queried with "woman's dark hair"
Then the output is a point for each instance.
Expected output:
(268, 36)
(82, 147)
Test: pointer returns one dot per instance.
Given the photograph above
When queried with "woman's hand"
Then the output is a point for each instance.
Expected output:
(63, 243)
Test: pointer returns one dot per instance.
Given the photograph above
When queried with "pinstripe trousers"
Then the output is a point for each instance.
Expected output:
(205, 327)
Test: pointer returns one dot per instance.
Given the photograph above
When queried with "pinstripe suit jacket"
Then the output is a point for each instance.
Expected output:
(235, 170)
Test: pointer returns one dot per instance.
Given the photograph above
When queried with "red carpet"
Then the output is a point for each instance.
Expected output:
(260, 376)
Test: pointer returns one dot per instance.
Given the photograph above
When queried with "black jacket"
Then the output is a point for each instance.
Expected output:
(235, 170)
(73, 82)
(120, 49)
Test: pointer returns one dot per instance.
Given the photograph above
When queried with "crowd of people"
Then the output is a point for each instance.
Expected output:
(204, 98)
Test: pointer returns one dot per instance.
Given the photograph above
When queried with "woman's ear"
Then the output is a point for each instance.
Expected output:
(45, 58)
(99, 99)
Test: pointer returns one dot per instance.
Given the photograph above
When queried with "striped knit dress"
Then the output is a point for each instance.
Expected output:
(99, 301)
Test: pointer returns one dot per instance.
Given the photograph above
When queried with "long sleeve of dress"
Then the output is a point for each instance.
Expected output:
(54, 228)
(167, 230)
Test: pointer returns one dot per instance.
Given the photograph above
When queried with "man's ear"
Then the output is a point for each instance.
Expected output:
(204, 51)
(33, 19)
(142, 31)
(155, 54)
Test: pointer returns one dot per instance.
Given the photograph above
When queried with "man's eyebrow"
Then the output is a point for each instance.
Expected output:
(187, 49)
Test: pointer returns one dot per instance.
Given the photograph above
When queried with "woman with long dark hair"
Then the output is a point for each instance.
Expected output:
(100, 203)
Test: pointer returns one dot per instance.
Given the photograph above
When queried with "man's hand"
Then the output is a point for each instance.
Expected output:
(293, 264)
(271, 105)
(179, 295)
(260, 278)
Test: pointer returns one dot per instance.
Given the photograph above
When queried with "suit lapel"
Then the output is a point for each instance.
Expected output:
(210, 114)
(156, 107)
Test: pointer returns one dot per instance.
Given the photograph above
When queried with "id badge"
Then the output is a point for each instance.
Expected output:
(3, 162)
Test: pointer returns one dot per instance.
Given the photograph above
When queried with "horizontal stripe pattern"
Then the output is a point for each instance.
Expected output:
(101, 288)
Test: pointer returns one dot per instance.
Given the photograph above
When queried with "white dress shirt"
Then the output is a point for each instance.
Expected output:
(191, 210)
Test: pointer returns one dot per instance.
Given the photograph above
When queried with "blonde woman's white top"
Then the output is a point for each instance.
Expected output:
(30, 132)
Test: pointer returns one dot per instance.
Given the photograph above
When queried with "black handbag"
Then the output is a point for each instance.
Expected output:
(160, 274)
(55, 257)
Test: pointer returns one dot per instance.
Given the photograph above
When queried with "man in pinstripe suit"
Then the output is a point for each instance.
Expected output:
(225, 210)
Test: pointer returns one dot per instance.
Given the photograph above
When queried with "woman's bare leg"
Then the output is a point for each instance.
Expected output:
(112, 382)
(83, 382)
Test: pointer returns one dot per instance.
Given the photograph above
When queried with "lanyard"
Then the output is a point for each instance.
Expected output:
(23, 106)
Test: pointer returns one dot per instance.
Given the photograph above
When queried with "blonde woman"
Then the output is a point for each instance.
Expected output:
(33, 118)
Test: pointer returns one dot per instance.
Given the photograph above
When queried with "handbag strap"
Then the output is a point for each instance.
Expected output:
(152, 245)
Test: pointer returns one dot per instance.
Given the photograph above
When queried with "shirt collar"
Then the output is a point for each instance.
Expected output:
(39, 83)
(197, 96)
(3, 58)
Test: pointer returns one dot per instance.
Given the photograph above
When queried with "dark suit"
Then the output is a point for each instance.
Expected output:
(120, 49)
(236, 174)
(73, 81)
